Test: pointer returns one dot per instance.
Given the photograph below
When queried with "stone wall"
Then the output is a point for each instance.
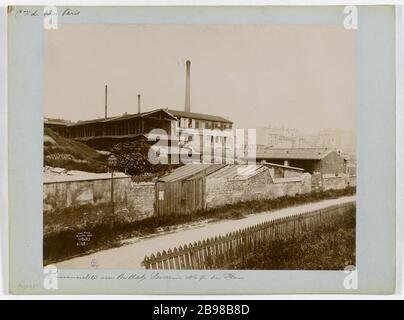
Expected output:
(284, 172)
(90, 201)
(332, 163)
(220, 192)
(341, 181)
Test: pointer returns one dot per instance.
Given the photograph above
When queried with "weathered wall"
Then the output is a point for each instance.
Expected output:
(284, 172)
(220, 192)
(332, 163)
(288, 173)
(133, 201)
(352, 180)
(331, 181)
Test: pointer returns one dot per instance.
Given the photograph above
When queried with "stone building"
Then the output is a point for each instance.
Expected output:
(240, 183)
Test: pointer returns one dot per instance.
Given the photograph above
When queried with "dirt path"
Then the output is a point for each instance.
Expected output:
(131, 255)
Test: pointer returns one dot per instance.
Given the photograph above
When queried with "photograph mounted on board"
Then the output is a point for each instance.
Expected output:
(200, 147)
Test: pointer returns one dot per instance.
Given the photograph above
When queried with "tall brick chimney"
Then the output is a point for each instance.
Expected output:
(106, 101)
(188, 87)
(138, 104)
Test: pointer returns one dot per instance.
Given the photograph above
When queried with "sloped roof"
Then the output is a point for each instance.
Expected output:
(200, 116)
(56, 121)
(269, 164)
(121, 118)
(188, 171)
(294, 153)
(238, 172)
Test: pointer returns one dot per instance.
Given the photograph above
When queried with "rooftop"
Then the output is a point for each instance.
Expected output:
(238, 172)
(294, 153)
(170, 112)
(123, 117)
(269, 164)
(200, 116)
(56, 121)
(189, 170)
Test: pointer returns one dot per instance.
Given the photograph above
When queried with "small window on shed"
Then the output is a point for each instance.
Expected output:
(161, 195)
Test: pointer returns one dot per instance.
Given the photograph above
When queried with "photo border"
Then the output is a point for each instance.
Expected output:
(375, 151)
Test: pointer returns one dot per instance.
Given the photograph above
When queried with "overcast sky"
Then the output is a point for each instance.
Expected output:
(302, 77)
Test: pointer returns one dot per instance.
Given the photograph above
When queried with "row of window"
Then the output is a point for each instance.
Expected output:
(199, 124)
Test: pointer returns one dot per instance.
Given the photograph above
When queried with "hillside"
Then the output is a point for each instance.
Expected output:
(71, 155)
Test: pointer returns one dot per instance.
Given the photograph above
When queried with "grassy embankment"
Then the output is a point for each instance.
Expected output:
(327, 247)
(63, 245)
(71, 155)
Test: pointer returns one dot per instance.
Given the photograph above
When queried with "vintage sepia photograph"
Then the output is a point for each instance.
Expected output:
(204, 146)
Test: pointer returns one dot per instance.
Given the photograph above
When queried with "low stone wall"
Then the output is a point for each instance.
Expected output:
(90, 202)
(220, 192)
(333, 182)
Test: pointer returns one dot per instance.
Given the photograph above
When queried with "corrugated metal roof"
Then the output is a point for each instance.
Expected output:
(294, 153)
(238, 172)
(188, 171)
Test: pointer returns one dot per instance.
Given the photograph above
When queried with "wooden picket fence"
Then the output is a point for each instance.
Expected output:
(232, 249)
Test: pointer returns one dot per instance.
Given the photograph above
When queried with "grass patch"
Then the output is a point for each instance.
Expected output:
(63, 245)
(327, 247)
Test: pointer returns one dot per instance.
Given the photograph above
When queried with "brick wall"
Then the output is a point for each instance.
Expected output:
(220, 192)
(133, 201)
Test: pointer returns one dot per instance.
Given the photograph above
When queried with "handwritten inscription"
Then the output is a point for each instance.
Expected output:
(45, 13)
(140, 277)
(70, 12)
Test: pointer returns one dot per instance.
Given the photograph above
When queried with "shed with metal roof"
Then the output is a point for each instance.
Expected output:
(182, 191)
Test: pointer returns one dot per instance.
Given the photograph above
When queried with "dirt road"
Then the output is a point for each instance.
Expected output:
(130, 255)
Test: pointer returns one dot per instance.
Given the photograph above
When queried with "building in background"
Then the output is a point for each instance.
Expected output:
(312, 160)
(281, 137)
(275, 136)
(343, 140)
(183, 128)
